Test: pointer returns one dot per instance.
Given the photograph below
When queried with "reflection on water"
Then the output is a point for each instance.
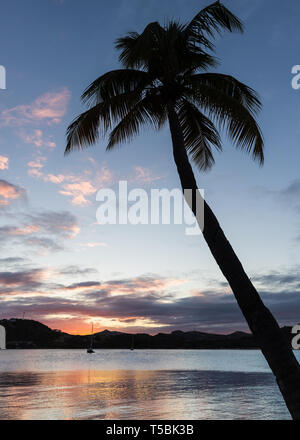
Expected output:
(92, 393)
(139, 395)
(66, 360)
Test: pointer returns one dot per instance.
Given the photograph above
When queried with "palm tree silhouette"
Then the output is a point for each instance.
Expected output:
(164, 79)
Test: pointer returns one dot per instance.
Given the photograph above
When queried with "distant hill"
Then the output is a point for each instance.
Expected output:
(25, 333)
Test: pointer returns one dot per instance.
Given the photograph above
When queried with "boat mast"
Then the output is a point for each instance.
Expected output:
(92, 335)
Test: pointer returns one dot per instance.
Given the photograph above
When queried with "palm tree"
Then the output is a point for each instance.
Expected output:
(164, 79)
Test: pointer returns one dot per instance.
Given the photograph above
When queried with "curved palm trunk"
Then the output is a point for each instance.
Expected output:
(277, 351)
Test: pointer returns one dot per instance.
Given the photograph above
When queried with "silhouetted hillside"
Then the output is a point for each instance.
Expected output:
(25, 333)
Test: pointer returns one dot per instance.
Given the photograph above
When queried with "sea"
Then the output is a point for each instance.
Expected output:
(138, 385)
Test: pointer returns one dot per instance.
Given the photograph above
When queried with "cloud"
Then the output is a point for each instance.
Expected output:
(12, 260)
(78, 192)
(146, 301)
(20, 282)
(36, 138)
(80, 187)
(27, 236)
(16, 231)
(93, 244)
(278, 285)
(21, 278)
(277, 279)
(54, 179)
(293, 189)
(9, 192)
(4, 163)
(152, 310)
(290, 195)
(45, 230)
(35, 166)
(49, 108)
(44, 243)
(140, 284)
(75, 270)
(289, 199)
(34, 173)
(58, 223)
(83, 285)
(104, 177)
(144, 175)
(37, 162)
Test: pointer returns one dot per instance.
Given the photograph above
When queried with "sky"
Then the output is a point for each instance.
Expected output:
(57, 265)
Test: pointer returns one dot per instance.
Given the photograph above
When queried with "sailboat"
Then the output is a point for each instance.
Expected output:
(90, 349)
(132, 343)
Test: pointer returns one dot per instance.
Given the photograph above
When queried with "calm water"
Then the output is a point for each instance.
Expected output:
(140, 384)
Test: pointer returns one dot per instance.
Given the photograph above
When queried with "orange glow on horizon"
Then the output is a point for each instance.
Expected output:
(83, 326)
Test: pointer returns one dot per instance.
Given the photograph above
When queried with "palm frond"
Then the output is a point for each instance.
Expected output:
(211, 20)
(137, 49)
(194, 61)
(161, 66)
(199, 134)
(84, 130)
(113, 83)
(229, 86)
(150, 111)
(230, 114)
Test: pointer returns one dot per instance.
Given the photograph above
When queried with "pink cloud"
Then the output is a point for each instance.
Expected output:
(54, 179)
(33, 172)
(3, 163)
(104, 176)
(37, 162)
(60, 224)
(78, 199)
(78, 187)
(9, 191)
(93, 244)
(70, 231)
(36, 137)
(35, 167)
(49, 107)
(26, 230)
(141, 284)
(144, 175)
(78, 191)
